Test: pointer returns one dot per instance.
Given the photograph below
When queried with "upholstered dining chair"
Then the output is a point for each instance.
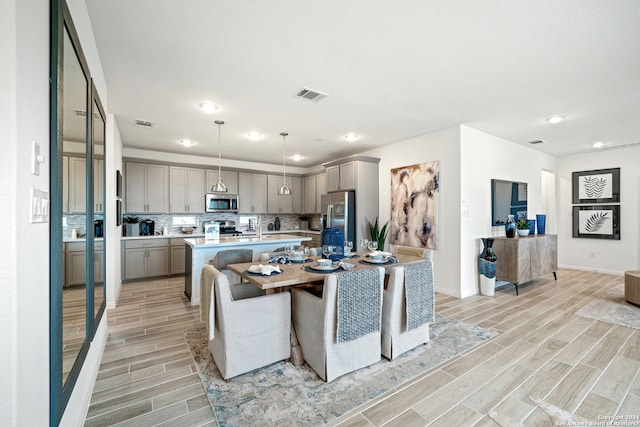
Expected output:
(339, 332)
(410, 250)
(247, 329)
(408, 308)
(231, 256)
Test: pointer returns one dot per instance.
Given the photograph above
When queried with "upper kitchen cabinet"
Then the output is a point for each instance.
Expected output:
(98, 185)
(278, 204)
(186, 190)
(252, 193)
(314, 187)
(77, 187)
(147, 188)
(229, 178)
(342, 176)
(357, 173)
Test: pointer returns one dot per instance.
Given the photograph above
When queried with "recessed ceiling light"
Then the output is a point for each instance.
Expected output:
(598, 144)
(555, 119)
(209, 107)
(186, 142)
(296, 157)
(254, 135)
(351, 137)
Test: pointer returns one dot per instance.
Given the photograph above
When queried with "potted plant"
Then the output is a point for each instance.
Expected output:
(523, 227)
(378, 234)
(131, 226)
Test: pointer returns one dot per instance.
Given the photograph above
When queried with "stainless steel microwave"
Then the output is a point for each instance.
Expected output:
(220, 202)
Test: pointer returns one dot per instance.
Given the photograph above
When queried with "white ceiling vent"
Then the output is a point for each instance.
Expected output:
(537, 141)
(311, 94)
(144, 124)
(621, 146)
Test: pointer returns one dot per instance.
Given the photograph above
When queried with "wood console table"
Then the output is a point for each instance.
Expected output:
(521, 259)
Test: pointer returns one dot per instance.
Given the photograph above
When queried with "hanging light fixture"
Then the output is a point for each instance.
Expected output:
(284, 190)
(219, 186)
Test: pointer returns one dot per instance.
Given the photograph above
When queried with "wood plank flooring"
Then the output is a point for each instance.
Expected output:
(584, 366)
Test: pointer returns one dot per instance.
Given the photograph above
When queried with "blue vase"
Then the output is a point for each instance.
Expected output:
(532, 226)
(541, 219)
(510, 226)
(487, 268)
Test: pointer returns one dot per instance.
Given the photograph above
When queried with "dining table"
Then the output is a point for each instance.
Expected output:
(302, 273)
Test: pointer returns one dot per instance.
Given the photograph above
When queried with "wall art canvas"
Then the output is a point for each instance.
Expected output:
(597, 222)
(414, 205)
(596, 186)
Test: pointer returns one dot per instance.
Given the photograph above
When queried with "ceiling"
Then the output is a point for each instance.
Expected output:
(392, 70)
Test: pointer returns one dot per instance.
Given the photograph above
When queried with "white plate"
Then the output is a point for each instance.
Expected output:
(324, 268)
(372, 261)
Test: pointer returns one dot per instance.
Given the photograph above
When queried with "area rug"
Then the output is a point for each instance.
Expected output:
(611, 307)
(285, 395)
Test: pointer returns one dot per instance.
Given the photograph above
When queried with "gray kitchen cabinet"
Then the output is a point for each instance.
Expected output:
(277, 204)
(75, 263)
(77, 188)
(146, 258)
(229, 178)
(65, 184)
(186, 190)
(314, 187)
(359, 173)
(341, 176)
(252, 193)
(297, 187)
(177, 256)
(98, 185)
(146, 188)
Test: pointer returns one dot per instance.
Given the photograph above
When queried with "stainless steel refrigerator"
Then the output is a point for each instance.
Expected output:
(338, 210)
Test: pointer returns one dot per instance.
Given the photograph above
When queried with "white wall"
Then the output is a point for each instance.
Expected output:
(24, 260)
(485, 157)
(112, 252)
(611, 256)
(444, 146)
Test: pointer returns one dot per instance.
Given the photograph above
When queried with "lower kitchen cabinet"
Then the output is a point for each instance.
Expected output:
(75, 263)
(177, 256)
(146, 258)
(315, 242)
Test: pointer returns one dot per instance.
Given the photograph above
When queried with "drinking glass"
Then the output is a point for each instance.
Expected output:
(305, 252)
(372, 245)
(364, 243)
(348, 246)
(327, 250)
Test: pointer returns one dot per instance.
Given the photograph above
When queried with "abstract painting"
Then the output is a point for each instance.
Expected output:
(596, 186)
(414, 205)
(597, 222)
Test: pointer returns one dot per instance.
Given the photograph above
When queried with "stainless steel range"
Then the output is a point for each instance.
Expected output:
(227, 228)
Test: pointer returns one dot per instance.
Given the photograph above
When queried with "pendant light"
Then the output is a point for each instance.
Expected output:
(284, 190)
(219, 186)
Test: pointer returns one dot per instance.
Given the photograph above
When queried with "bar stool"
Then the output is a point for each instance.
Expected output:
(231, 256)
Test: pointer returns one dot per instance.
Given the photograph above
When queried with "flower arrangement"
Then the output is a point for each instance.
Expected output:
(522, 224)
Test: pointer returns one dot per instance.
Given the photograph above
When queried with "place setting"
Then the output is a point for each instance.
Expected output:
(376, 257)
(263, 270)
(332, 261)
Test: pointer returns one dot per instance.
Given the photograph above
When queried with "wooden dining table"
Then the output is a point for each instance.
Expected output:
(295, 274)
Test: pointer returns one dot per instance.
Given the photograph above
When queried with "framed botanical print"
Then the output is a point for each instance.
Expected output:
(596, 186)
(597, 222)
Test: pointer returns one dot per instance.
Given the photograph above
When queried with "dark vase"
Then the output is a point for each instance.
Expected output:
(277, 223)
(510, 226)
(487, 251)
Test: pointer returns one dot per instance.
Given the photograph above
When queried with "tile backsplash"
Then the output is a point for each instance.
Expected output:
(287, 221)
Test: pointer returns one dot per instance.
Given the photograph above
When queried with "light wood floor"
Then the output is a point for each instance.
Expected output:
(586, 367)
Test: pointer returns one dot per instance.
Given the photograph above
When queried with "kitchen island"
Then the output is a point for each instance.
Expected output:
(200, 251)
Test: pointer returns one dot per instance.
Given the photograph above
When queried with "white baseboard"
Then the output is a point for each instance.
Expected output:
(591, 269)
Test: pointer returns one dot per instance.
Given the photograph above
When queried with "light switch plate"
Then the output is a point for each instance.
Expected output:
(39, 206)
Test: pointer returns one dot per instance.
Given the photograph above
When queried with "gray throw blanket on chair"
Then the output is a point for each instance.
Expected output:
(419, 294)
(359, 304)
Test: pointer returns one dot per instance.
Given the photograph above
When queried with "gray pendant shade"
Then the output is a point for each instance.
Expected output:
(284, 190)
(219, 186)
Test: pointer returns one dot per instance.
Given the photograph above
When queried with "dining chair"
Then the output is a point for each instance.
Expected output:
(339, 332)
(408, 308)
(247, 329)
(410, 250)
(231, 256)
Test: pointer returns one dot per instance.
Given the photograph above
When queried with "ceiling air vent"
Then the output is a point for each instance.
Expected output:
(144, 124)
(311, 95)
(621, 146)
(537, 141)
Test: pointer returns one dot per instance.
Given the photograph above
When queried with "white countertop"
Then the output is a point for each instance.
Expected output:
(201, 242)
